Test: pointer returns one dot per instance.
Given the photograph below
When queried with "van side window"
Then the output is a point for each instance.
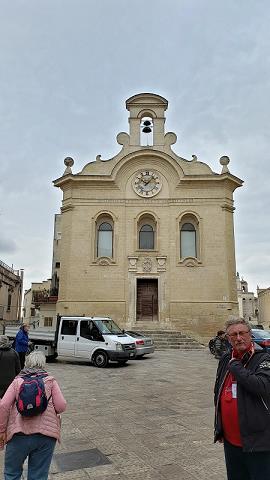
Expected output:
(85, 329)
(69, 327)
(90, 331)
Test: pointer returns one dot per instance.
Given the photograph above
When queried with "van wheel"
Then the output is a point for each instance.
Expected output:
(100, 359)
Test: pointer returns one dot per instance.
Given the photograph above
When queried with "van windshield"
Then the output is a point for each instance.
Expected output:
(107, 326)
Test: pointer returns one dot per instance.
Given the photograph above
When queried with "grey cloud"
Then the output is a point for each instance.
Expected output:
(7, 246)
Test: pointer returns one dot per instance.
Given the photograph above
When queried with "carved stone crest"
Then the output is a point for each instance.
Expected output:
(147, 265)
(132, 263)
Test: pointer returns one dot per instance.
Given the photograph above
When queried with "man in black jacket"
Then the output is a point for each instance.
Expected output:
(242, 402)
(9, 364)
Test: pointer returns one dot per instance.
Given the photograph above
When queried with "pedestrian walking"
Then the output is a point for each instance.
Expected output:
(9, 364)
(33, 437)
(22, 342)
(242, 402)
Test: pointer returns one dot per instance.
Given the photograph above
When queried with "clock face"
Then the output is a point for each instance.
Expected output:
(147, 183)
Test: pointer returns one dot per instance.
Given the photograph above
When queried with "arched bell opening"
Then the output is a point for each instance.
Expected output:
(146, 131)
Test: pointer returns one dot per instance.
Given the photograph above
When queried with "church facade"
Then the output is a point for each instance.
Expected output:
(148, 236)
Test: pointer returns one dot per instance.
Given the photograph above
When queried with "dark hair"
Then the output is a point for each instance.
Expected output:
(220, 332)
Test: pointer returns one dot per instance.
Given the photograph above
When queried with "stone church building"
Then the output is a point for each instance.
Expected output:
(148, 236)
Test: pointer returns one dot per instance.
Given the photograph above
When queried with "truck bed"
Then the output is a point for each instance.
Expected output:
(43, 335)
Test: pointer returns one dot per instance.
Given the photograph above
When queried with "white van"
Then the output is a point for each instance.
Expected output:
(97, 339)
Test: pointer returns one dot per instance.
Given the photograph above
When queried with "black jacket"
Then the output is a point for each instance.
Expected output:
(9, 367)
(253, 398)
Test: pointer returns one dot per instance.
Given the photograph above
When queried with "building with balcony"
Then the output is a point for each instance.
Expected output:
(39, 309)
(11, 282)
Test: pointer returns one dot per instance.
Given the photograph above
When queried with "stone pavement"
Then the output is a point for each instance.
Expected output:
(149, 420)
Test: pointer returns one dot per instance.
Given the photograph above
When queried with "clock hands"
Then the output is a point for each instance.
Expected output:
(147, 181)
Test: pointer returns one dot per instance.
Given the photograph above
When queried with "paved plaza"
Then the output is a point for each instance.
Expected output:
(149, 420)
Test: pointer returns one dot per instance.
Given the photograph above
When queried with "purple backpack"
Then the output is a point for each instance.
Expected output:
(32, 399)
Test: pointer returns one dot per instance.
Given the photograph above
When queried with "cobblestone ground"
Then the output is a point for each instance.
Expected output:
(152, 418)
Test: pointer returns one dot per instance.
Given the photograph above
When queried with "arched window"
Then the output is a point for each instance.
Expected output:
(188, 241)
(146, 237)
(105, 239)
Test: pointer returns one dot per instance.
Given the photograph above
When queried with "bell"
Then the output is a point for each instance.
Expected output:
(146, 123)
(146, 130)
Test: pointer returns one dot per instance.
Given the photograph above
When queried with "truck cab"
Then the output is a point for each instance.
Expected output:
(97, 339)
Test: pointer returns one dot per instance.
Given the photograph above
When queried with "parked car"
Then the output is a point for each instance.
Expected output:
(143, 345)
(262, 337)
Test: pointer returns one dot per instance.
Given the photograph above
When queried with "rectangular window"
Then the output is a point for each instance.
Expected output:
(48, 321)
(188, 244)
(69, 327)
(104, 244)
(9, 302)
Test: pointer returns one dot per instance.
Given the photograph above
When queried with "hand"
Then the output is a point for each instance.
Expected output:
(2, 440)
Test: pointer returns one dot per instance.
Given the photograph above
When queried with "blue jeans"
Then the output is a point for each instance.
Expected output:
(246, 465)
(39, 450)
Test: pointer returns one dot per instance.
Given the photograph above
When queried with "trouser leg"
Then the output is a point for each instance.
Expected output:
(235, 462)
(22, 359)
(16, 452)
(40, 457)
(258, 465)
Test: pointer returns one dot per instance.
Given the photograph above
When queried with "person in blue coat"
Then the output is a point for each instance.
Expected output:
(22, 342)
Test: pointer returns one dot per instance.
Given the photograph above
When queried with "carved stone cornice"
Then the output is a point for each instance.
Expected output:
(228, 208)
(67, 208)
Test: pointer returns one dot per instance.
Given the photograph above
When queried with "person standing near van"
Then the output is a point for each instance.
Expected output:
(22, 342)
(9, 364)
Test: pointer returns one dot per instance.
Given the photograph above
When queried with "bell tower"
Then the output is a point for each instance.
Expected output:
(146, 116)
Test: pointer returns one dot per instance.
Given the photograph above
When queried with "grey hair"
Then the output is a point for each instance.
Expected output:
(35, 360)
(237, 321)
(4, 340)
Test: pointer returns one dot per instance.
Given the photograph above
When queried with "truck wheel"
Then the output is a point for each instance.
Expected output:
(100, 359)
(52, 358)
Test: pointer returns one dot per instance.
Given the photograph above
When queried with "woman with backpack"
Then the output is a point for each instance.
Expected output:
(29, 420)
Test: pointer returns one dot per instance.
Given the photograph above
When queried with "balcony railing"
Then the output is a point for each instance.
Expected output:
(43, 297)
(10, 269)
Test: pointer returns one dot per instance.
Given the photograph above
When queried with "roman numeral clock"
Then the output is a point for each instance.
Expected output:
(147, 183)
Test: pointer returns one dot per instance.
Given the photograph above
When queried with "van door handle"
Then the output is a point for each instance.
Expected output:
(78, 338)
(62, 338)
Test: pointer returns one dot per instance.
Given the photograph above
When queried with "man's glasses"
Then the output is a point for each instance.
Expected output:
(240, 334)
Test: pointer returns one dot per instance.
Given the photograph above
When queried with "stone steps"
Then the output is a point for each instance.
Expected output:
(169, 339)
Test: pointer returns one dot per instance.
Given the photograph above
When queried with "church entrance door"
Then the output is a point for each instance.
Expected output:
(147, 300)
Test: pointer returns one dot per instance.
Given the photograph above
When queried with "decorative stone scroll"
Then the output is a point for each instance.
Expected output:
(104, 261)
(190, 262)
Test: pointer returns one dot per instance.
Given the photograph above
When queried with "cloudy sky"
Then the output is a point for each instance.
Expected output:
(66, 69)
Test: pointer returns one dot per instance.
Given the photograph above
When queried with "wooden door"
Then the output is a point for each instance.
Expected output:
(147, 300)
